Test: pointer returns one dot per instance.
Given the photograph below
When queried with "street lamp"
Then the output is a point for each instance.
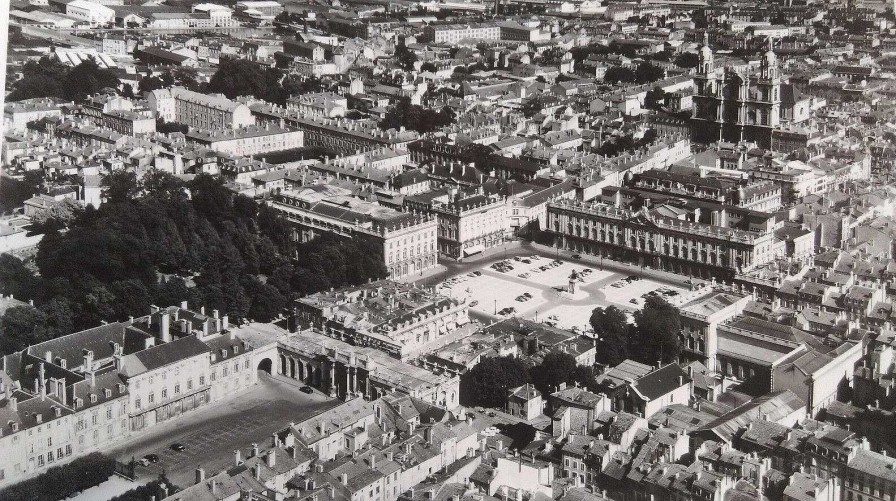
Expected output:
(496, 306)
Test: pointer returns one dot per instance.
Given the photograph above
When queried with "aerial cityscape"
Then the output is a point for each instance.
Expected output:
(448, 250)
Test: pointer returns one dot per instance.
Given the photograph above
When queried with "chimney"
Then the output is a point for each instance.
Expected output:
(88, 360)
(236, 457)
(254, 450)
(48, 356)
(165, 328)
(343, 478)
(256, 471)
(214, 487)
(200, 475)
(373, 461)
(271, 458)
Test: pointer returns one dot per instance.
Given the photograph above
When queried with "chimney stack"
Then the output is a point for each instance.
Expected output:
(165, 328)
(200, 475)
(237, 459)
(271, 458)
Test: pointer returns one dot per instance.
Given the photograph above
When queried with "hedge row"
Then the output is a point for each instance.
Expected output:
(60, 482)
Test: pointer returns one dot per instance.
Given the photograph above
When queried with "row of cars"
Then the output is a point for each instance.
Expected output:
(154, 458)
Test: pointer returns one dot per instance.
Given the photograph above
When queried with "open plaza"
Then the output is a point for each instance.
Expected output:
(536, 286)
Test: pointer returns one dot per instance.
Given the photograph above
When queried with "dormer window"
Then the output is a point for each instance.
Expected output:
(108, 392)
(14, 426)
(93, 398)
(79, 403)
(57, 411)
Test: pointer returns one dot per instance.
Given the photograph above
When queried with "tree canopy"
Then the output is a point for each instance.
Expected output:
(152, 244)
(488, 382)
(241, 77)
(48, 77)
(657, 326)
(405, 57)
(687, 60)
(414, 117)
(611, 327)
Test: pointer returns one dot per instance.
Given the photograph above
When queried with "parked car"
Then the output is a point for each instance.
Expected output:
(473, 303)
(577, 256)
(306, 389)
(179, 447)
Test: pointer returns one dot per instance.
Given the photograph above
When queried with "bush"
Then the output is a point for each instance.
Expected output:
(60, 482)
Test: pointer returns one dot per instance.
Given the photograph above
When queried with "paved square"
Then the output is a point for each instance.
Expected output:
(494, 290)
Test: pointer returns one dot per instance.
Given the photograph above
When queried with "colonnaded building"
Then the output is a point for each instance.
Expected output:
(681, 246)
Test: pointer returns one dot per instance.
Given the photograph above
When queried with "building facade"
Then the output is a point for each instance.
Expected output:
(681, 246)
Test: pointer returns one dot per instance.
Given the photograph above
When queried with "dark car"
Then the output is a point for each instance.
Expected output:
(306, 389)
(148, 460)
(577, 256)
(179, 447)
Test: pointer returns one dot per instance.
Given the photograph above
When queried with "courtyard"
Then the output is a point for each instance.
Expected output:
(535, 286)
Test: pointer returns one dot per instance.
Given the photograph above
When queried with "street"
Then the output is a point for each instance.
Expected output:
(210, 435)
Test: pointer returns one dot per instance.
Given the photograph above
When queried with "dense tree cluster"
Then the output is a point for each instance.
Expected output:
(655, 99)
(487, 384)
(644, 73)
(152, 244)
(241, 77)
(60, 482)
(653, 337)
(405, 57)
(183, 76)
(48, 77)
(414, 117)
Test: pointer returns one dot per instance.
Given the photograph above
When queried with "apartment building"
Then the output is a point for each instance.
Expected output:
(399, 319)
(248, 140)
(453, 33)
(69, 396)
(344, 136)
(469, 223)
(408, 241)
(198, 110)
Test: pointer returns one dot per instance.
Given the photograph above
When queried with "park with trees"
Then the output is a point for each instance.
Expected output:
(160, 240)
